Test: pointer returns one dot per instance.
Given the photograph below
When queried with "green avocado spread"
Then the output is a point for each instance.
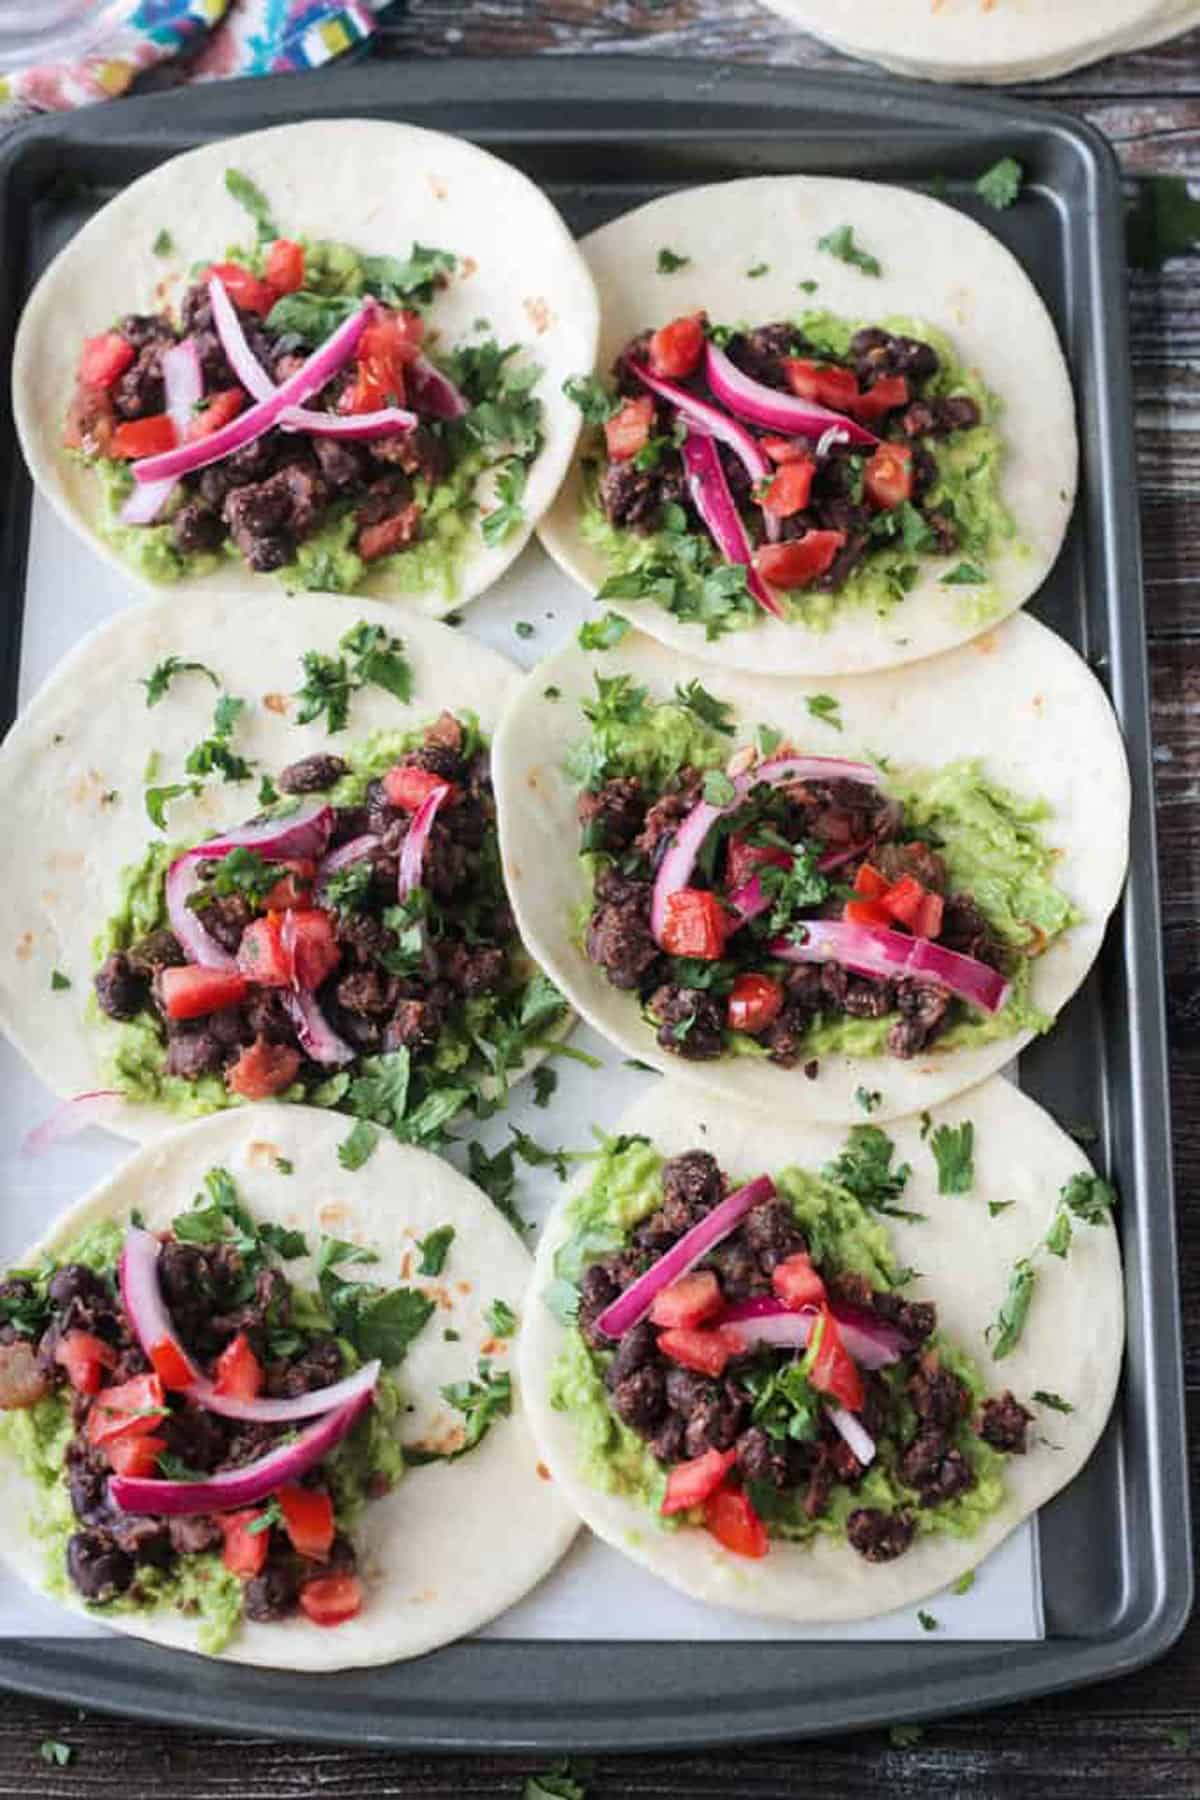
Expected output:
(684, 571)
(843, 1238)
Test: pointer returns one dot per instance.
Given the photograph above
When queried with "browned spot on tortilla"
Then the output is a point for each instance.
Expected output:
(985, 644)
(260, 1151)
(533, 780)
(467, 267)
(1039, 704)
(406, 1264)
(543, 1473)
(444, 1297)
(493, 1347)
(25, 946)
(443, 1441)
(437, 187)
(464, 1287)
(538, 314)
(276, 703)
(332, 1212)
(86, 788)
(424, 1598)
(68, 860)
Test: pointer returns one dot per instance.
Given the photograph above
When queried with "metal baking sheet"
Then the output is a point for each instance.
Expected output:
(601, 136)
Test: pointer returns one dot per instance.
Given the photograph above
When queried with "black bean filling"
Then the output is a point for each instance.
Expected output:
(211, 1298)
(634, 498)
(268, 497)
(681, 1415)
(382, 996)
(630, 828)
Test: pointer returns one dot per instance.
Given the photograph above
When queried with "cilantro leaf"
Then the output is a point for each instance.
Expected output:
(248, 194)
(434, 1248)
(668, 261)
(497, 1176)
(556, 1783)
(354, 1150)
(864, 1168)
(163, 243)
(348, 889)
(868, 1098)
(953, 1149)
(718, 788)
(1089, 1197)
(825, 708)
(996, 1207)
(380, 1091)
(592, 398)
(713, 712)
(1164, 221)
(59, 981)
(56, 1753)
(243, 871)
(387, 1324)
(761, 268)
(379, 658)
(602, 634)
(163, 674)
(508, 513)
(902, 1737)
(412, 282)
(268, 793)
(1054, 1401)
(965, 1582)
(1003, 1333)
(327, 689)
(1001, 184)
(481, 1403)
(286, 1242)
(927, 1620)
(840, 243)
(501, 1319)
(545, 1080)
(311, 317)
(964, 574)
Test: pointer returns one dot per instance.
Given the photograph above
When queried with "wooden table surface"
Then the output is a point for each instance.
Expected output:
(1138, 1737)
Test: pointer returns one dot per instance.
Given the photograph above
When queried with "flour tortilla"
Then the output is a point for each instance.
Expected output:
(1001, 41)
(1018, 699)
(378, 187)
(940, 268)
(73, 772)
(454, 1543)
(1071, 1343)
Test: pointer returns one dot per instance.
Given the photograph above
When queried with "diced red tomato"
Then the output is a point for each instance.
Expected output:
(307, 1519)
(245, 1551)
(408, 786)
(833, 1370)
(191, 991)
(690, 1483)
(263, 1070)
(903, 899)
(743, 860)
(244, 287)
(628, 431)
(801, 560)
(828, 386)
(387, 535)
(677, 348)
(869, 882)
(104, 358)
(239, 1372)
(385, 349)
(785, 450)
(285, 266)
(261, 956)
(789, 492)
(706, 1352)
(688, 1301)
(866, 912)
(696, 925)
(134, 438)
(131, 1410)
(134, 1455)
(754, 1000)
(928, 922)
(331, 1599)
(294, 888)
(171, 1365)
(730, 1516)
(309, 943)
(220, 409)
(797, 1283)
(888, 393)
(83, 1357)
(888, 477)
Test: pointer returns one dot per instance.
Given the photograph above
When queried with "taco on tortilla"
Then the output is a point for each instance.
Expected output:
(256, 868)
(787, 895)
(331, 352)
(990, 40)
(735, 1372)
(258, 1401)
(838, 432)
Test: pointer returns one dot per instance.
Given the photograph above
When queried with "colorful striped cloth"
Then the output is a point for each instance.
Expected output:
(244, 37)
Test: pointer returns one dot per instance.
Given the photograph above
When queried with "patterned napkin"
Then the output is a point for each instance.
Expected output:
(220, 38)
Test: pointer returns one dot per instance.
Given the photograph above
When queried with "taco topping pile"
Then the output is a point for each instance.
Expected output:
(779, 1389)
(741, 465)
(293, 414)
(758, 905)
(355, 950)
(217, 1429)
